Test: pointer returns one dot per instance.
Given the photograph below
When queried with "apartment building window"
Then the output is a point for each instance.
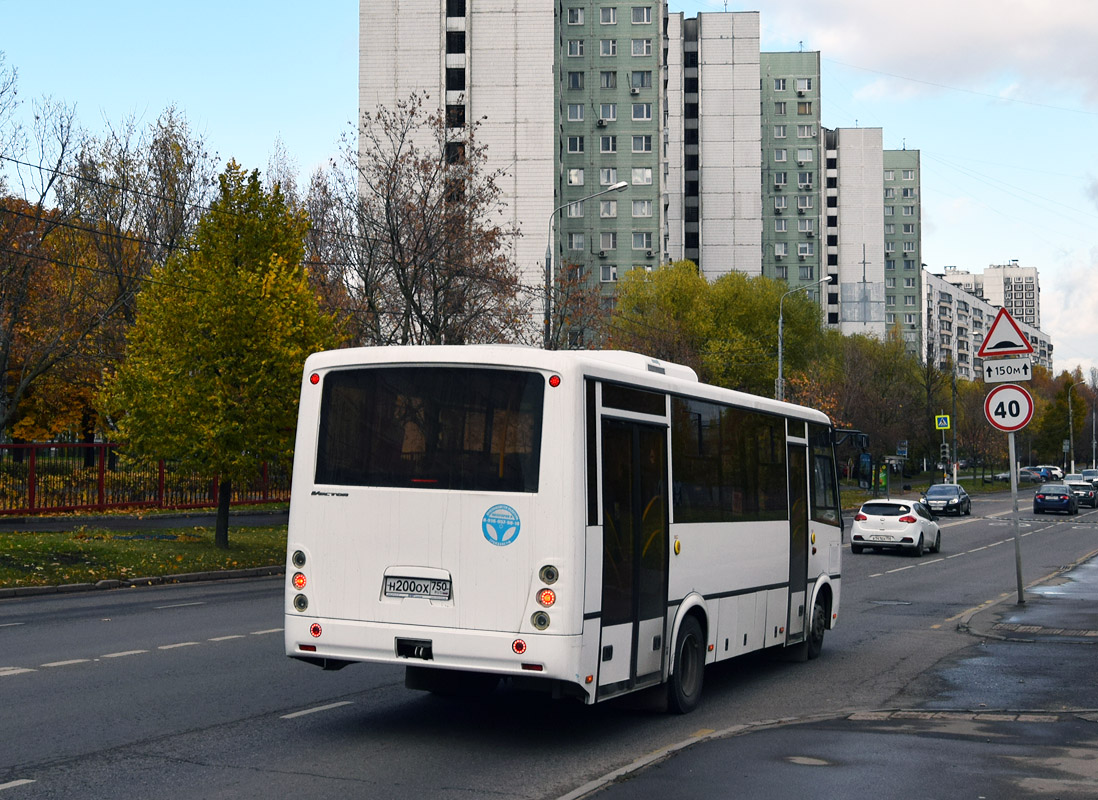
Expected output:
(890, 301)
(779, 84)
(909, 211)
(608, 111)
(808, 273)
(608, 209)
(805, 132)
(779, 178)
(608, 16)
(575, 48)
(779, 108)
(575, 16)
(575, 144)
(890, 263)
(575, 241)
(575, 112)
(642, 47)
(455, 8)
(781, 225)
(642, 208)
(890, 228)
(455, 116)
(908, 193)
(575, 209)
(804, 84)
(890, 247)
(781, 249)
(609, 273)
(805, 225)
(641, 79)
(455, 79)
(608, 80)
(642, 240)
(780, 154)
(890, 174)
(608, 47)
(888, 210)
(909, 319)
(779, 131)
(909, 283)
(890, 319)
(455, 42)
(804, 108)
(642, 143)
(608, 176)
(806, 249)
(909, 227)
(908, 175)
(804, 180)
(642, 111)
(804, 201)
(575, 177)
(642, 15)
(909, 300)
(575, 80)
(608, 240)
(608, 144)
(890, 283)
(889, 193)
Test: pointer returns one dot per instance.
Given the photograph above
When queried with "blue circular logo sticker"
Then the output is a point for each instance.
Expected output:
(501, 525)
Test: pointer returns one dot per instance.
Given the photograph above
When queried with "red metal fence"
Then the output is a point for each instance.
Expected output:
(41, 478)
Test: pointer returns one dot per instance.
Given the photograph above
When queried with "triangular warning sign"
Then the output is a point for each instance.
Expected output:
(1005, 338)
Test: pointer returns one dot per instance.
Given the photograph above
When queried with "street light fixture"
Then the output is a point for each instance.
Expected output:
(779, 384)
(1071, 425)
(617, 187)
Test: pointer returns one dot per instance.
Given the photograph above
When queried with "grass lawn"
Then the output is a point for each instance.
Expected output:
(92, 554)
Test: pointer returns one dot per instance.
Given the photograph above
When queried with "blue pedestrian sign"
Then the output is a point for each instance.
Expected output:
(941, 422)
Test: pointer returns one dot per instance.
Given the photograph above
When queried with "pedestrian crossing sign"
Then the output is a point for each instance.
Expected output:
(941, 422)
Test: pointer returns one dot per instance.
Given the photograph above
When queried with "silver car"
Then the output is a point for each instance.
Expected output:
(903, 525)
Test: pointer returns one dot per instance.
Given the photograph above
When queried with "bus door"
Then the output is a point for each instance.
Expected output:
(634, 558)
(798, 540)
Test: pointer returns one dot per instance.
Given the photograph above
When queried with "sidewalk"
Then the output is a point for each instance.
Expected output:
(1034, 653)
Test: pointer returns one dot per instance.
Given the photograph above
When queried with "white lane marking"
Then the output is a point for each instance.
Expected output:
(315, 710)
(996, 544)
(901, 569)
(11, 624)
(124, 653)
(955, 555)
(13, 784)
(264, 633)
(173, 646)
(5, 671)
(978, 549)
(67, 663)
(181, 605)
(928, 563)
(226, 638)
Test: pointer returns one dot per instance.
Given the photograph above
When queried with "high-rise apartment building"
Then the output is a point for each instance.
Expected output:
(903, 245)
(1009, 286)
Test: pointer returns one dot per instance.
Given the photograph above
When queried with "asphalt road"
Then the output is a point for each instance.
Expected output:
(177, 690)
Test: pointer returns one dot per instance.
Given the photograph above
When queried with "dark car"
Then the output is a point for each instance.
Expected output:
(948, 498)
(1085, 493)
(1091, 475)
(1054, 497)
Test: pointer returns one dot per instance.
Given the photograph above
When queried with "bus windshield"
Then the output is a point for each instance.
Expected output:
(459, 428)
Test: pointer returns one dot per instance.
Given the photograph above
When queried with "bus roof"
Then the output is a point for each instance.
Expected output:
(607, 364)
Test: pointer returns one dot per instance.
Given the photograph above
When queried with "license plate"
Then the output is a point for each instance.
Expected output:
(427, 588)
(880, 538)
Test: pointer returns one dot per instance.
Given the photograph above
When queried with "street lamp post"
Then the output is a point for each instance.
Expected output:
(1071, 425)
(779, 384)
(617, 187)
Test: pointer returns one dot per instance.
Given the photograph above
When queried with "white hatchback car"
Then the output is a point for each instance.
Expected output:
(906, 525)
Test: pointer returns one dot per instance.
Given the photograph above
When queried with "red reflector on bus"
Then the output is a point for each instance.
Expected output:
(534, 667)
(518, 646)
(554, 381)
(314, 379)
(315, 630)
(308, 648)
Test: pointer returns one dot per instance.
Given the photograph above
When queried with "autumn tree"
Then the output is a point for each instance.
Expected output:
(415, 228)
(213, 361)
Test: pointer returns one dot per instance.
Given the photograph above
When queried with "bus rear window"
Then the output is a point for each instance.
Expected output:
(461, 428)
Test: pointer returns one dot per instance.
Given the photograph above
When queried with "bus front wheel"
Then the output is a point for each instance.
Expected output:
(685, 687)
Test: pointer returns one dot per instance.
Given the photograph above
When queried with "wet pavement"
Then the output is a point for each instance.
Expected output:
(1037, 661)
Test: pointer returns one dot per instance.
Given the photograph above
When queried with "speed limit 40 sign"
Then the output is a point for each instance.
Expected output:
(1008, 407)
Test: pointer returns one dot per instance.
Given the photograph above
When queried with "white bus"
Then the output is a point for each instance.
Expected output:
(591, 523)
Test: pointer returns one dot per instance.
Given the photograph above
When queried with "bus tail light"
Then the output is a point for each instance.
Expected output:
(518, 647)
(547, 597)
(299, 580)
(315, 630)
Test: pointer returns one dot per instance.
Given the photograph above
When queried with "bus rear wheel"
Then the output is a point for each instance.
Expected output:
(816, 630)
(688, 669)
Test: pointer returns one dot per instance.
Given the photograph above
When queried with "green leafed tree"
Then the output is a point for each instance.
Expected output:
(213, 361)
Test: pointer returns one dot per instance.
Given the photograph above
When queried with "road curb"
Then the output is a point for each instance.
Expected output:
(154, 580)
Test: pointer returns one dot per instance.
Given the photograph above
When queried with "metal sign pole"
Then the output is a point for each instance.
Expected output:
(1014, 519)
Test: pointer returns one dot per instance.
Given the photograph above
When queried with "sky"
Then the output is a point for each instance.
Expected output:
(999, 97)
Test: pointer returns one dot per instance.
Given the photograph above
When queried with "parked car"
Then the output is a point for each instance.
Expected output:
(1054, 497)
(1091, 475)
(1054, 472)
(1072, 477)
(948, 498)
(1085, 493)
(1029, 476)
(900, 525)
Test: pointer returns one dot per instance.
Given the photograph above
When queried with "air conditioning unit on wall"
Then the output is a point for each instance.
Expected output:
(634, 90)
(601, 123)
